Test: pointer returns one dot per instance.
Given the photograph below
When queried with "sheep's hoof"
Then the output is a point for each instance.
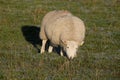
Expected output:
(61, 53)
(50, 49)
(42, 51)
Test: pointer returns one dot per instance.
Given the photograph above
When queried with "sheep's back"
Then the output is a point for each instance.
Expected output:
(49, 18)
(79, 30)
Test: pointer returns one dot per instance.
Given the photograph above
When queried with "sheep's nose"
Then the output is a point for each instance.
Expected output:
(70, 58)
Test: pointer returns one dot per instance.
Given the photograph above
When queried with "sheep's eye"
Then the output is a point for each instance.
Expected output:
(67, 47)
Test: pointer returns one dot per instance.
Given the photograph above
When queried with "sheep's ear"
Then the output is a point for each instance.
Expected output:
(81, 43)
(64, 42)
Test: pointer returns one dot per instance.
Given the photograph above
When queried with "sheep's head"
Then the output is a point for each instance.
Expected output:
(70, 47)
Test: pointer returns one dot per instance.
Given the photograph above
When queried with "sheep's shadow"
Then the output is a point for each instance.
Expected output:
(31, 34)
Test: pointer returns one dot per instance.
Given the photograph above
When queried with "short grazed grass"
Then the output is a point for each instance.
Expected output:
(97, 59)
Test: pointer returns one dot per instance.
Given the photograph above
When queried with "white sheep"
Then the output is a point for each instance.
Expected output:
(64, 29)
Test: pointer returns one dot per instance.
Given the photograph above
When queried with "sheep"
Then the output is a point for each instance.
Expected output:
(64, 29)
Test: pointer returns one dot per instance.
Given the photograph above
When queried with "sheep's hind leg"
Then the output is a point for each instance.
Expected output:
(43, 46)
(50, 49)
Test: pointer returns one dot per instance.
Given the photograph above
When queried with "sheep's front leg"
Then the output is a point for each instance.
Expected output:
(50, 49)
(43, 46)
(61, 52)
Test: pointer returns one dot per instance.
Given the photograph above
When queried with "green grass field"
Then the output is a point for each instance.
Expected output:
(97, 59)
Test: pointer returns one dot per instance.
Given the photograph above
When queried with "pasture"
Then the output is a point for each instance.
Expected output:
(97, 59)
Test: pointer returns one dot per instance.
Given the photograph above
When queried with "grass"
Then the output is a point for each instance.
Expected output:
(97, 59)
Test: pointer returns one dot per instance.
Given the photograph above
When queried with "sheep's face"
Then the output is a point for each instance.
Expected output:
(71, 49)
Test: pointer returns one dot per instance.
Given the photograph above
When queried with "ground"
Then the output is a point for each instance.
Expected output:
(97, 59)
